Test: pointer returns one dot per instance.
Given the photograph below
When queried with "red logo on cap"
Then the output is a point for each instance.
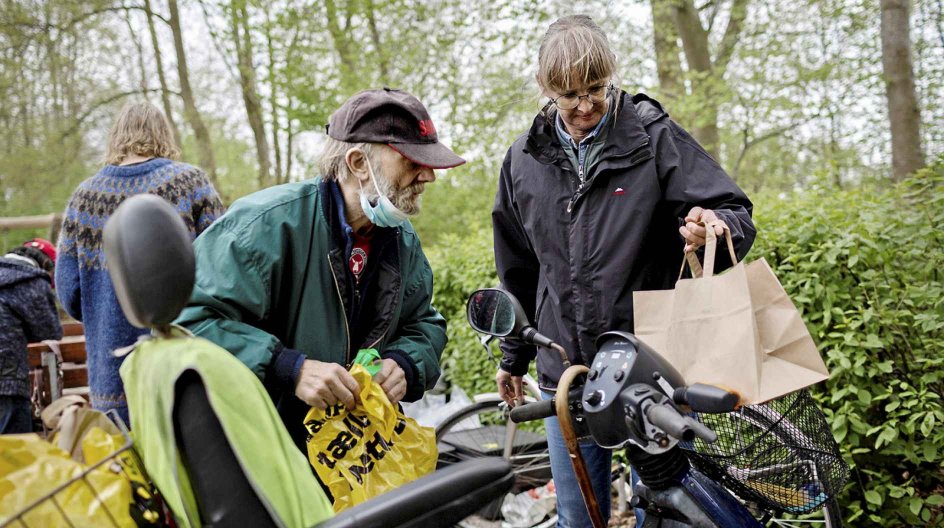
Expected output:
(427, 128)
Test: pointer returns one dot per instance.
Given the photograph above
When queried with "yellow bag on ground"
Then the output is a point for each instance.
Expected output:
(31, 468)
(372, 449)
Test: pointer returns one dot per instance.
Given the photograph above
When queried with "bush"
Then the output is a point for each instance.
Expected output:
(461, 266)
(864, 266)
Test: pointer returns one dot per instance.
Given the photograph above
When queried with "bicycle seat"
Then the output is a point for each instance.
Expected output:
(150, 260)
(442, 498)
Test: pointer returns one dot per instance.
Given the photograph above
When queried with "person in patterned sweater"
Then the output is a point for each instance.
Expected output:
(141, 158)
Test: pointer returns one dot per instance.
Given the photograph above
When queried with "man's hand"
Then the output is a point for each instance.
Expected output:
(509, 388)
(392, 380)
(322, 385)
(694, 233)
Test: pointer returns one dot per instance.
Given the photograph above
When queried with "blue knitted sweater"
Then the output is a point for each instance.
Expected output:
(82, 281)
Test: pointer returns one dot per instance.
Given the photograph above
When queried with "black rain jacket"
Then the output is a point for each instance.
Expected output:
(574, 254)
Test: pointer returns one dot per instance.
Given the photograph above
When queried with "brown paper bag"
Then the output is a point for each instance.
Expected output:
(738, 329)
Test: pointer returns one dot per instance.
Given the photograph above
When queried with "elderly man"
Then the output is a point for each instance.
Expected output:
(296, 279)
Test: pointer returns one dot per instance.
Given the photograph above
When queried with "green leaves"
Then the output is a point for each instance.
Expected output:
(863, 266)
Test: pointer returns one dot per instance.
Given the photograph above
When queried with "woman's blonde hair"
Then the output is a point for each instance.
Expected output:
(574, 51)
(141, 129)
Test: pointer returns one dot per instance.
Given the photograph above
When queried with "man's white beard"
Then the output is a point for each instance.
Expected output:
(406, 200)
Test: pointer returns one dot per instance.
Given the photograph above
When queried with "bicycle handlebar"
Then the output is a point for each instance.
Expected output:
(533, 411)
(684, 428)
(671, 422)
(707, 398)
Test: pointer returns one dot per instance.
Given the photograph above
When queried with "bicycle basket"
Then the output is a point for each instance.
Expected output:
(79, 500)
(780, 455)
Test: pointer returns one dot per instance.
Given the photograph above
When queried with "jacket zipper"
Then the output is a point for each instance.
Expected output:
(570, 207)
(396, 237)
(580, 187)
(379, 339)
(347, 330)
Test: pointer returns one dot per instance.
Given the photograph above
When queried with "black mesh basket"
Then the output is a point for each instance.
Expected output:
(780, 455)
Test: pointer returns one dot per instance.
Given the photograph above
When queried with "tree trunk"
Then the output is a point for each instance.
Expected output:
(273, 103)
(903, 112)
(159, 63)
(247, 82)
(695, 44)
(707, 76)
(342, 45)
(378, 47)
(289, 151)
(140, 51)
(205, 146)
(665, 36)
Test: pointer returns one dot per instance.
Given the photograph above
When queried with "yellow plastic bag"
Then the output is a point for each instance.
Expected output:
(369, 450)
(31, 468)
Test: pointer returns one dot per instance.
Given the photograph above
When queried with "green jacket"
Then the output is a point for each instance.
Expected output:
(279, 473)
(272, 275)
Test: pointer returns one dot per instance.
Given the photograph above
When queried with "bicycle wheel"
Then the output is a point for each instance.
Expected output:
(484, 429)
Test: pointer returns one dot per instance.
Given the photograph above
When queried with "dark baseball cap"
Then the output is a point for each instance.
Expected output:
(396, 118)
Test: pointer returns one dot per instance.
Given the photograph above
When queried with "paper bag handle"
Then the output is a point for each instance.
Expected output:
(711, 245)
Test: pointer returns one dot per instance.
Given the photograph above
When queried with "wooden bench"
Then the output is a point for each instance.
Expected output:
(65, 375)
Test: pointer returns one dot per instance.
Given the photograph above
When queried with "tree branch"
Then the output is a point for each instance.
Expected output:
(338, 37)
(749, 143)
(217, 43)
(731, 35)
(375, 37)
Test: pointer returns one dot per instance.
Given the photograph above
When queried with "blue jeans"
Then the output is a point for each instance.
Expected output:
(15, 416)
(571, 509)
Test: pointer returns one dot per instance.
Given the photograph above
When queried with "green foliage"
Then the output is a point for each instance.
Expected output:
(459, 202)
(461, 266)
(864, 267)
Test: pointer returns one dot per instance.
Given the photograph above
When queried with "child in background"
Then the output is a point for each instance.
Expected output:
(27, 314)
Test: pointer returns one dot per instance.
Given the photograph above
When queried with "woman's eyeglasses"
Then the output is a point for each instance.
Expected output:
(595, 95)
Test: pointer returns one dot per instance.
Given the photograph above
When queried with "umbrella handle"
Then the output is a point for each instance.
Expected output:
(570, 438)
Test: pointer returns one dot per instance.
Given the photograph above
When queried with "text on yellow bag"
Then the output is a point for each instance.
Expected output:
(369, 450)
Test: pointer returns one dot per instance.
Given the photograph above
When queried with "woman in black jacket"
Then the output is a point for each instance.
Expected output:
(600, 198)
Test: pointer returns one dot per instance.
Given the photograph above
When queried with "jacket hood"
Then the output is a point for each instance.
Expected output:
(13, 272)
(648, 109)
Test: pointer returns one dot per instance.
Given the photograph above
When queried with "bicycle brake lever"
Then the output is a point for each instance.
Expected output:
(485, 340)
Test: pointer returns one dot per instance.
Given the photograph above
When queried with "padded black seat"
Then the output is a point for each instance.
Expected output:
(150, 260)
(442, 498)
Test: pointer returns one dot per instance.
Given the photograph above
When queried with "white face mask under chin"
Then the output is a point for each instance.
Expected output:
(384, 213)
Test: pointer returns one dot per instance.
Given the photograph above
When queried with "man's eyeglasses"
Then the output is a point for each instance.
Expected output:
(595, 95)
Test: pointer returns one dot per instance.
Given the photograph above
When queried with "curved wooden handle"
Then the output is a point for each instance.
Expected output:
(570, 438)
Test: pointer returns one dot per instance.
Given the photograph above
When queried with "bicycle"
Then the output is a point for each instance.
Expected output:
(484, 429)
(767, 460)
